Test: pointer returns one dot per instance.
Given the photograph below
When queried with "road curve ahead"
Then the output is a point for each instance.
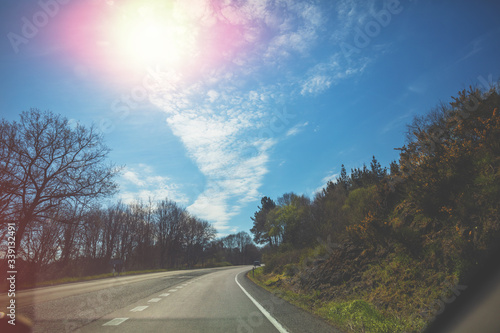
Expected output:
(211, 300)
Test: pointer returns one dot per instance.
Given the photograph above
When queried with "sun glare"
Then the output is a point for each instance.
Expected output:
(147, 37)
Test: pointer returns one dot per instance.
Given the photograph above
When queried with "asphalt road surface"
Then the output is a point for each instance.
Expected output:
(203, 300)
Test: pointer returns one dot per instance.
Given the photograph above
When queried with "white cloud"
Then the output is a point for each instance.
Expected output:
(132, 177)
(296, 129)
(217, 108)
(316, 84)
(224, 142)
(351, 14)
(330, 177)
(212, 95)
(142, 184)
(325, 74)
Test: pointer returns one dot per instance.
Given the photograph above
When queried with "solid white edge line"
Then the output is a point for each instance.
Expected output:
(273, 321)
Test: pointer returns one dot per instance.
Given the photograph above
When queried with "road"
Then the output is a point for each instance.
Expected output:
(203, 300)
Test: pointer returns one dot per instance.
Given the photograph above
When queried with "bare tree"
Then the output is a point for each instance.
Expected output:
(8, 184)
(39, 249)
(45, 163)
(72, 221)
(170, 219)
(197, 236)
(91, 234)
(142, 216)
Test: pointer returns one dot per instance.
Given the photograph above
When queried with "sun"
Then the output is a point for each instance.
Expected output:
(148, 36)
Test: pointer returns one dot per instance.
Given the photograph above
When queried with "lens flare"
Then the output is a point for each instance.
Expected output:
(149, 35)
(123, 40)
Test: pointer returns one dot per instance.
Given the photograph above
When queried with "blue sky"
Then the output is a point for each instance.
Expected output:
(215, 104)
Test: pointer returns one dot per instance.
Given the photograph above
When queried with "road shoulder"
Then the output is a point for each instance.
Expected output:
(294, 319)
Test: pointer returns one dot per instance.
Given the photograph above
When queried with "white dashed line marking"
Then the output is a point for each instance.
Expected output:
(154, 300)
(139, 308)
(115, 322)
(164, 295)
(172, 290)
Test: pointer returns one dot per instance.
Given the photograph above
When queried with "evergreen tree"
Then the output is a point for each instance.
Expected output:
(259, 229)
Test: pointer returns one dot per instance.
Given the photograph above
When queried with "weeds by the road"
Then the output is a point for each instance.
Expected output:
(352, 316)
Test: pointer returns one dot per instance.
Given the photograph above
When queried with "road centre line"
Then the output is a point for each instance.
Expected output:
(115, 322)
(172, 290)
(164, 295)
(273, 321)
(154, 300)
(139, 308)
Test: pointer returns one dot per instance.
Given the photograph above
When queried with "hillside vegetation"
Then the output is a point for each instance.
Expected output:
(384, 250)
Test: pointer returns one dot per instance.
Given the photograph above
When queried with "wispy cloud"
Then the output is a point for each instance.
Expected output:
(223, 140)
(331, 176)
(224, 118)
(316, 84)
(296, 129)
(328, 73)
(397, 122)
(472, 48)
(141, 183)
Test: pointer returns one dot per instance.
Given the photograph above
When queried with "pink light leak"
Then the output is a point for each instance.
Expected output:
(81, 32)
(90, 33)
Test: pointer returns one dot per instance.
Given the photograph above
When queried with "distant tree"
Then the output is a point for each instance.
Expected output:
(378, 173)
(45, 164)
(197, 236)
(169, 218)
(394, 168)
(9, 186)
(343, 180)
(239, 248)
(259, 229)
(275, 225)
(286, 199)
(360, 177)
(91, 235)
(242, 240)
(144, 215)
(359, 203)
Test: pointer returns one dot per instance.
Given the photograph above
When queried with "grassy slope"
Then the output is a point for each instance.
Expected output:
(392, 294)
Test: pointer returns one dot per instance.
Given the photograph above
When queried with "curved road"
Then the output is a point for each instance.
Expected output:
(204, 300)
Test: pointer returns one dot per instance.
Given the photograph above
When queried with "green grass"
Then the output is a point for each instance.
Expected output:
(360, 316)
(350, 316)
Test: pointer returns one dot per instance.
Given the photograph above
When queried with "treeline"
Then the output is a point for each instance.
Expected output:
(238, 249)
(403, 234)
(295, 221)
(54, 178)
(131, 237)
